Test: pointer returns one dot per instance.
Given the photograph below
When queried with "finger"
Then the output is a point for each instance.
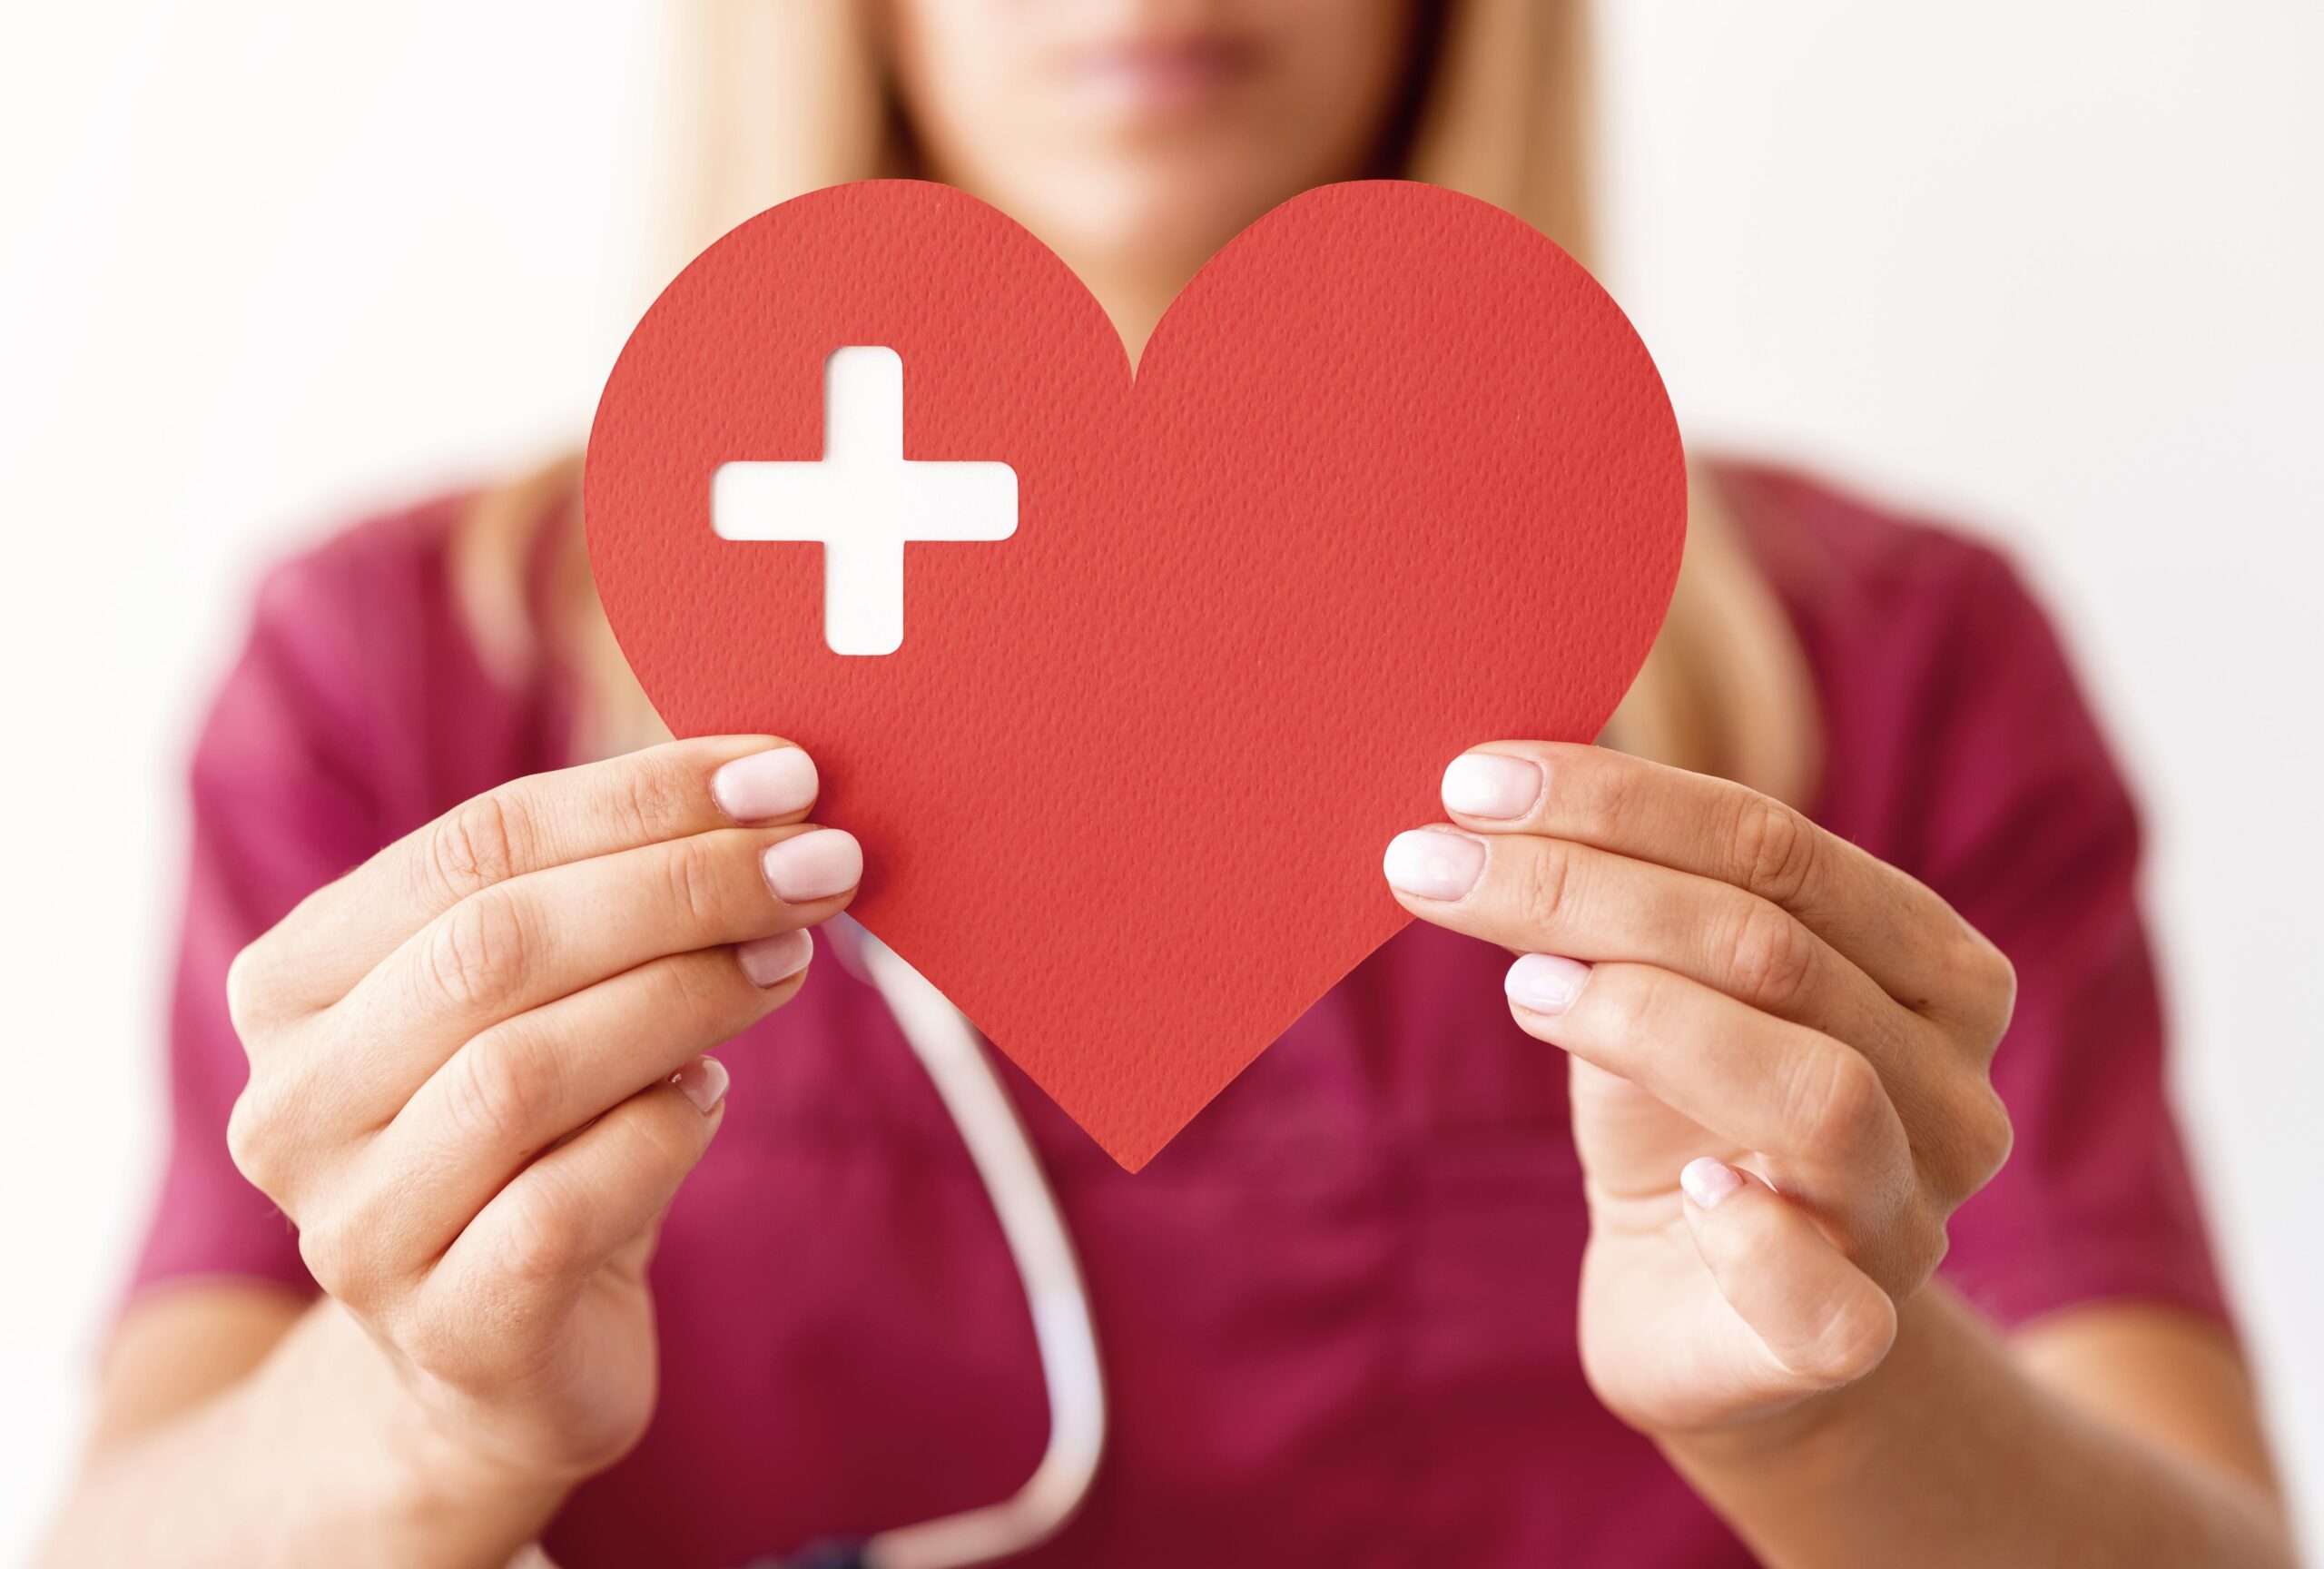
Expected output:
(1885, 922)
(1537, 895)
(332, 940)
(531, 1249)
(1817, 1109)
(545, 934)
(530, 1080)
(1820, 1320)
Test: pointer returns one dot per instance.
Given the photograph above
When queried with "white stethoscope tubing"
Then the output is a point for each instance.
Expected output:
(1042, 1250)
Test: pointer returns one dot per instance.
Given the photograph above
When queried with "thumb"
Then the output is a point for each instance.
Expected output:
(1823, 1322)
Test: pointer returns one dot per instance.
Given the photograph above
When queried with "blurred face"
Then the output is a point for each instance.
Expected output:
(1137, 136)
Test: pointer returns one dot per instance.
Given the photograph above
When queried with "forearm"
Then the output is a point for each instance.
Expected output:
(1948, 1454)
(317, 1457)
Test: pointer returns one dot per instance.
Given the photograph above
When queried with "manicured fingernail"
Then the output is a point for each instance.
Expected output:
(765, 784)
(1487, 784)
(815, 864)
(702, 1081)
(769, 960)
(1545, 983)
(1431, 863)
(1708, 1182)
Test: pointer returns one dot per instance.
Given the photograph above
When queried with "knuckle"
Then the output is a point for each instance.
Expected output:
(1771, 957)
(429, 1341)
(336, 1255)
(1913, 1248)
(1996, 987)
(1932, 1243)
(1774, 847)
(1981, 987)
(667, 1145)
(476, 951)
(704, 988)
(1852, 1338)
(249, 979)
(1599, 791)
(1986, 1139)
(475, 846)
(1649, 1009)
(697, 890)
(358, 1249)
(455, 1329)
(543, 1241)
(654, 796)
(1544, 884)
(508, 1083)
(1834, 1097)
(319, 1249)
(252, 1138)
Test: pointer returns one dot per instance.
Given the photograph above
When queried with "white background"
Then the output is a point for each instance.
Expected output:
(2048, 267)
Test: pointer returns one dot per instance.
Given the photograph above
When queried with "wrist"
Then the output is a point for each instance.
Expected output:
(450, 1490)
(415, 1489)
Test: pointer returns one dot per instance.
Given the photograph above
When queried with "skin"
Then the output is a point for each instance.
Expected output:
(475, 1103)
(1778, 1049)
(477, 1081)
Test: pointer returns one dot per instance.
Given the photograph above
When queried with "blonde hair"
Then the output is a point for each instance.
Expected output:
(779, 97)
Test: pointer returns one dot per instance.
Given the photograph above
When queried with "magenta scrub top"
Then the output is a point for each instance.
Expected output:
(1337, 1314)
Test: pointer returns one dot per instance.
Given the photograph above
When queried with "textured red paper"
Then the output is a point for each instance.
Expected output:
(1395, 476)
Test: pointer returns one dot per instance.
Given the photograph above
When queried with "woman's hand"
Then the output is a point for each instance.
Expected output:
(1779, 1050)
(477, 1075)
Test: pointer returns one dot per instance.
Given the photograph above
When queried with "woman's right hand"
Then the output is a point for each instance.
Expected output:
(477, 1074)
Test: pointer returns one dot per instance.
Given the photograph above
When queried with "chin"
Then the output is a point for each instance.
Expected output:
(1172, 215)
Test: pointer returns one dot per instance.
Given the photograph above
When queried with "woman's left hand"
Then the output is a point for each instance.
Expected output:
(1779, 1050)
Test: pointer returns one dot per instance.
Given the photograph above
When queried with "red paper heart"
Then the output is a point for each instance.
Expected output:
(1395, 476)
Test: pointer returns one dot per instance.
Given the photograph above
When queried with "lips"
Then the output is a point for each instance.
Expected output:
(1161, 79)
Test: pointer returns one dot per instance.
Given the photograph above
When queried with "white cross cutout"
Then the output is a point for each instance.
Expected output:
(864, 501)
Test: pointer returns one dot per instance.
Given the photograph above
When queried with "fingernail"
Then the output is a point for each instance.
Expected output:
(1432, 863)
(1545, 983)
(1708, 1182)
(765, 784)
(815, 864)
(769, 960)
(1487, 784)
(703, 1082)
